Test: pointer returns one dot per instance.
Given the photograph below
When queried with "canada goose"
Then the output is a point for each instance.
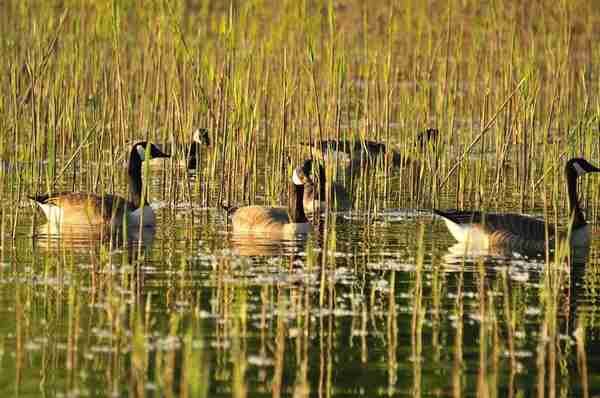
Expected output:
(312, 203)
(275, 221)
(200, 138)
(364, 152)
(517, 232)
(83, 208)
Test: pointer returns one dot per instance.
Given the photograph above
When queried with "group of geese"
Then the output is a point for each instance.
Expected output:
(514, 232)
(85, 211)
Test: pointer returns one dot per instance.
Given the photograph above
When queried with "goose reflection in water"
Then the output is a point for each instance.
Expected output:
(460, 252)
(85, 237)
(261, 246)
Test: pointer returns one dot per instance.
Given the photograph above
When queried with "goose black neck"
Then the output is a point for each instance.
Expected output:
(577, 217)
(192, 157)
(397, 159)
(322, 187)
(310, 193)
(296, 205)
(134, 171)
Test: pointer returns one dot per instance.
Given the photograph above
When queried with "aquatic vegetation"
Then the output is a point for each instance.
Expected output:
(374, 302)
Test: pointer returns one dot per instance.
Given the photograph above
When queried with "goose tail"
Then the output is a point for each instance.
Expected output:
(440, 213)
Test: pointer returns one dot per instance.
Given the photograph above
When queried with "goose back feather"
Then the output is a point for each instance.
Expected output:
(266, 220)
(485, 230)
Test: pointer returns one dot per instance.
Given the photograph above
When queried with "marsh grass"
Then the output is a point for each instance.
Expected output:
(512, 88)
(206, 66)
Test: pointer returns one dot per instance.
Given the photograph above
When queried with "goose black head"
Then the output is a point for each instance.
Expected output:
(142, 146)
(303, 174)
(201, 136)
(429, 135)
(579, 166)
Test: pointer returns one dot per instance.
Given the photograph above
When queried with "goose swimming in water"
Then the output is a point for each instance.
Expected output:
(275, 221)
(200, 139)
(314, 198)
(365, 153)
(86, 208)
(518, 232)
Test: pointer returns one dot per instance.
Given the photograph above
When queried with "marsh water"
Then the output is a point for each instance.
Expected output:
(376, 304)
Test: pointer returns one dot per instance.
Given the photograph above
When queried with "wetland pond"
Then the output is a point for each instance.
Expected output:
(378, 305)
(378, 301)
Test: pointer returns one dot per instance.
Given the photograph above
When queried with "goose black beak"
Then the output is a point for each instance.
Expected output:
(157, 153)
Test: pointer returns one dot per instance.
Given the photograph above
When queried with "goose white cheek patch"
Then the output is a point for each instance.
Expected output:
(578, 169)
(141, 151)
(296, 178)
(196, 136)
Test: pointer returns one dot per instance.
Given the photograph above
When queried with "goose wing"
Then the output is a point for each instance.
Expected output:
(515, 230)
(260, 218)
(81, 207)
(517, 224)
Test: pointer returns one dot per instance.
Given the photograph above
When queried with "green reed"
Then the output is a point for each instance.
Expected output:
(240, 80)
(85, 80)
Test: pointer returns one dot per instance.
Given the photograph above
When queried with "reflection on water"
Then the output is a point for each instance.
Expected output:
(379, 304)
(84, 237)
(460, 252)
(257, 245)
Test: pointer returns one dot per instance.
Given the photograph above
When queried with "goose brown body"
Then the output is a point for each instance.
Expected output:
(84, 208)
(277, 222)
(266, 220)
(484, 231)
